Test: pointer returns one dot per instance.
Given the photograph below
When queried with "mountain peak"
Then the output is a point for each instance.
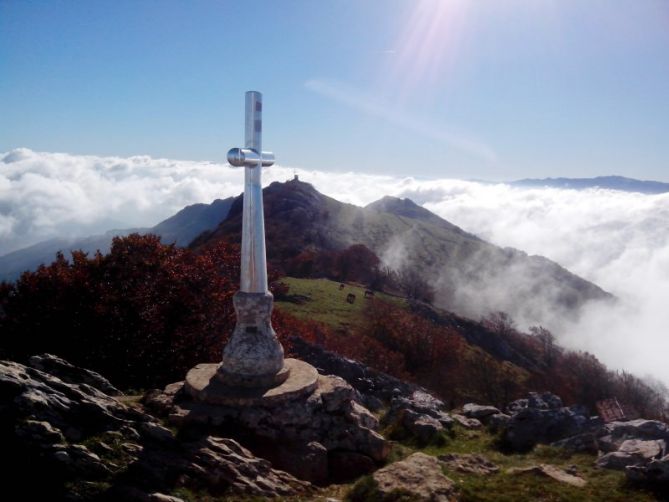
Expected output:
(390, 204)
(405, 208)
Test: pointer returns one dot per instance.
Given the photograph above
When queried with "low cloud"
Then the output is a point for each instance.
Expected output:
(45, 195)
(618, 240)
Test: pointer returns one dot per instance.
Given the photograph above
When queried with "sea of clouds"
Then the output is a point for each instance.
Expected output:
(618, 240)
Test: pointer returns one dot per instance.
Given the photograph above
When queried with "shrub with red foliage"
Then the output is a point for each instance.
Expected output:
(141, 315)
(355, 263)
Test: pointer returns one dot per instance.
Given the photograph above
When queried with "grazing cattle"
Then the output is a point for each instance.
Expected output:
(369, 294)
(350, 298)
(342, 286)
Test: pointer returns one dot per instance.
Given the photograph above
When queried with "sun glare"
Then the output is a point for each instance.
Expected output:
(428, 45)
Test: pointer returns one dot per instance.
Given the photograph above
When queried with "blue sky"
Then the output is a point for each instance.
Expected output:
(435, 88)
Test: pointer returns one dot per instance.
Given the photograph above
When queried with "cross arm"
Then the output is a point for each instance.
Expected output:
(246, 157)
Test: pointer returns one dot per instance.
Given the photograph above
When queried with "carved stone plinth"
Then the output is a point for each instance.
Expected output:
(253, 357)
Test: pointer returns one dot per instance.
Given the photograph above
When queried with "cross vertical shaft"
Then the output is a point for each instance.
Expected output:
(254, 261)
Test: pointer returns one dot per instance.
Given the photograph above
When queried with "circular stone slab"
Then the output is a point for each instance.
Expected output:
(203, 384)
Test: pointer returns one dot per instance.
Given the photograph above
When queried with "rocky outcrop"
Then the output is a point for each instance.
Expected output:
(418, 477)
(498, 421)
(78, 437)
(480, 412)
(374, 387)
(67, 372)
(580, 443)
(639, 447)
(541, 418)
(327, 423)
(633, 452)
(419, 415)
(655, 472)
(612, 435)
(467, 423)
(411, 408)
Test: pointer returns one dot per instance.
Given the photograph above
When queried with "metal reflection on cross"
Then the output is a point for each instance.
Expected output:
(253, 159)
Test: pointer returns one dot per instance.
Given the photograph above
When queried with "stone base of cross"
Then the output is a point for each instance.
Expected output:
(253, 357)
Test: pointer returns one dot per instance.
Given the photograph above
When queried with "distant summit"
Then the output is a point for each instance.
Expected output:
(609, 182)
(409, 209)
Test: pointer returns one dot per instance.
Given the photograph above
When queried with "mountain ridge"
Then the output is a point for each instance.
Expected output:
(471, 276)
(180, 228)
(612, 182)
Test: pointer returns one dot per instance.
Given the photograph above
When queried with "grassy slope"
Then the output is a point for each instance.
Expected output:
(326, 302)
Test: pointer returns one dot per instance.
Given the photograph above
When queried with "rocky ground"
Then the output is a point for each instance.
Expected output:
(79, 438)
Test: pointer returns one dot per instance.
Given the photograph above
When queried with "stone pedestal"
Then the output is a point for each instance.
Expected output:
(203, 384)
(253, 371)
(253, 357)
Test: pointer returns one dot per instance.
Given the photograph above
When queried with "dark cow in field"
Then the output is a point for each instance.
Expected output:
(342, 286)
(369, 294)
(350, 298)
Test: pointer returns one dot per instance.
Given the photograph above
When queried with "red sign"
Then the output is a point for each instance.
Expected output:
(610, 410)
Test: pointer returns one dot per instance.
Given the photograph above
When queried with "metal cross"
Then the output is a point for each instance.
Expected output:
(253, 159)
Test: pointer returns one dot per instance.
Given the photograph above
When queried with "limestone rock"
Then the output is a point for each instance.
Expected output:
(480, 412)
(420, 402)
(425, 428)
(74, 409)
(69, 373)
(419, 476)
(358, 414)
(647, 449)
(161, 497)
(616, 432)
(541, 418)
(471, 464)
(420, 415)
(656, 471)
(78, 461)
(328, 416)
(632, 452)
(46, 420)
(374, 386)
(498, 421)
(39, 433)
(218, 464)
(160, 401)
(308, 462)
(551, 471)
(580, 443)
(467, 423)
(639, 447)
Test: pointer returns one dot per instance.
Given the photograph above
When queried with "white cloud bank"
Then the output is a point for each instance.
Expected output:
(44, 195)
(618, 240)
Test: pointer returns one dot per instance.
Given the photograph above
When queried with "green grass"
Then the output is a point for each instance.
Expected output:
(602, 485)
(326, 303)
